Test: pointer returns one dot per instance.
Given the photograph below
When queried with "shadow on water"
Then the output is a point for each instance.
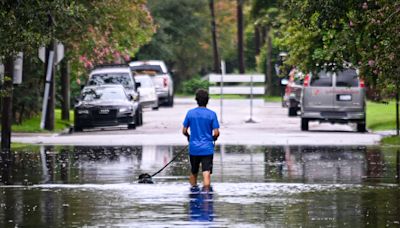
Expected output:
(56, 186)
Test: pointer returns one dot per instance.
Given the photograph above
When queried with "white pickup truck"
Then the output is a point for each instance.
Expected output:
(161, 78)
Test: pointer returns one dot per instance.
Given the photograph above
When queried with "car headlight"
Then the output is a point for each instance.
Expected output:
(83, 111)
(125, 109)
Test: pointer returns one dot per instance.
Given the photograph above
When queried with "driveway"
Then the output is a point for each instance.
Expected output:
(272, 127)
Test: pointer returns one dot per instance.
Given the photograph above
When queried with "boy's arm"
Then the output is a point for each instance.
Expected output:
(215, 134)
(185, 132)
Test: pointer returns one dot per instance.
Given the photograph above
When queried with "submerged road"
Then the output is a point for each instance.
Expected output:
(163, 127)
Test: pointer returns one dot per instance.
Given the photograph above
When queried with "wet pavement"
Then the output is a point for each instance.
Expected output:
(252, 186)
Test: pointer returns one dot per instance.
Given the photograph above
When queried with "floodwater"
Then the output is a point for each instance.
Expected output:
(252, 186)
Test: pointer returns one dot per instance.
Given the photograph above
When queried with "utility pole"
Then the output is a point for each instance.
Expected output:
(6, 112)
(65, 88)
(217, 68)
(49, 120)
(240, 36)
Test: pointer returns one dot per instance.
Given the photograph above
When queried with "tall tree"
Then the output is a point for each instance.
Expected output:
(240, 44)
(217, 67)
(184, 46)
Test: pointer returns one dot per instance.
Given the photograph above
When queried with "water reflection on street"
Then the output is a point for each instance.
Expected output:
(75, 186)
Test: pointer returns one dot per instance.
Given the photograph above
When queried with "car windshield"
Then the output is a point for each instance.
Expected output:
(112, 78)
(103, 94)
(145, 82)
(347, 78)
(147, 69)
(322, 79)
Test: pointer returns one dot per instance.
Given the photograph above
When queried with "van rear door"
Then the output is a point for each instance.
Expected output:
(317, 96)
(349, 96)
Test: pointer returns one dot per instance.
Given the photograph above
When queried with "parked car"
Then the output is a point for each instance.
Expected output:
(104, 105)
(335, 97)
(161, 77)
(117, 74)
(292, 96)
(147, 91)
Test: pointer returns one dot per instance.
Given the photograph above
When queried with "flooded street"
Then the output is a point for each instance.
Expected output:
(253, 186)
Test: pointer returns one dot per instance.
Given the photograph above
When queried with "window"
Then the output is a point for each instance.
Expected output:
(112, 78)
(347, 78)
(147, 69)
(322, 79)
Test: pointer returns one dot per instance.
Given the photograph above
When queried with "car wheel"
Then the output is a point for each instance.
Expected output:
(292, 111)
(139, 116)
(155, 106)
(361, 127)
(170, 101)
(132, 126)
(304, 124)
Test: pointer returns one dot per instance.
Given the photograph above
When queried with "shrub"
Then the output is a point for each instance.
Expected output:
(190, 86)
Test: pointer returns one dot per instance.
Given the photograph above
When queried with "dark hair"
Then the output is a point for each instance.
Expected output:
(202, 97)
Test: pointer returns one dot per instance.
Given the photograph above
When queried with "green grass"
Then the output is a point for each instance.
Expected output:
(33, 124)
(273, 98)
(391, 140)
(381, 116)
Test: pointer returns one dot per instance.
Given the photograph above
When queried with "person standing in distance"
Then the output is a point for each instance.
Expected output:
(204, 130)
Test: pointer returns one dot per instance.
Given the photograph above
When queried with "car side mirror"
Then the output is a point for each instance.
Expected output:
(284, 82)
(138, 84)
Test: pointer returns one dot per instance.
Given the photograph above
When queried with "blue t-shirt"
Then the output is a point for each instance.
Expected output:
(201, 121)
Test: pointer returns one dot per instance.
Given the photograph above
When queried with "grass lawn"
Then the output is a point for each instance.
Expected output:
(33, 124)
(381, 116)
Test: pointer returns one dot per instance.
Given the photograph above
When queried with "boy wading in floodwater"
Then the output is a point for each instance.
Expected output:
(204, 130)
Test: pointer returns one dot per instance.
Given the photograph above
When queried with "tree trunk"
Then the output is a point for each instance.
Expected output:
(397, 108)
(217, 68)
(65, 89)
(269, 64)
(49, 121)
(6, 112)
(240, 36)
(257, 39)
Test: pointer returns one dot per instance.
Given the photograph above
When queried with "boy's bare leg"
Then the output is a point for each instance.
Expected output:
(193, 179)
(206, 179)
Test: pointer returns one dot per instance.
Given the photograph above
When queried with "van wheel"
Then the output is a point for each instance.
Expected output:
(131, 126)
(78, 129)
(304, 124)
(292, 111)
(361, 127)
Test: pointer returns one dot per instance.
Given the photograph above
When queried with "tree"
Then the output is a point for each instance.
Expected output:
(24, 29)
(362, 32)
(217, 69)
(240, 43)
(181, 39)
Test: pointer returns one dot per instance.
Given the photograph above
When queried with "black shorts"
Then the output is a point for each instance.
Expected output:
(206, 162)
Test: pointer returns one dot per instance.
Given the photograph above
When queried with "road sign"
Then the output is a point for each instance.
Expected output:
(59, 53)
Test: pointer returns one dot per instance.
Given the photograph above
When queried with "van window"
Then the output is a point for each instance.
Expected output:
(323, 79)
(347, 78)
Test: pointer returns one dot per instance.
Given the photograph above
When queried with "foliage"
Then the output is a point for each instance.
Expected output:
(364, 33)
(182, 39)
(26, 25)
(111, 31)
(190, 86)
